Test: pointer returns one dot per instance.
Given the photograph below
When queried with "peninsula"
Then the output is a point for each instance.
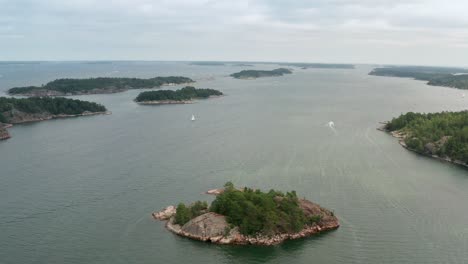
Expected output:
(443, 136)
(253, 74)
(248, 216)
(435, 76)
(181, 96)
(100, 85)
(16, 111)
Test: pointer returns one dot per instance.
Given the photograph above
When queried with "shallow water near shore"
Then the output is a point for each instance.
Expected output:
(82, 190)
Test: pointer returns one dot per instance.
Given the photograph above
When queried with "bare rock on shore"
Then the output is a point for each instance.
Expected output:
(3, 132)
(206, 227)
(166, 213)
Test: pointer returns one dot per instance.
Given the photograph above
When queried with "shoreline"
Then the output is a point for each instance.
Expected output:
(172, 102)
(401, 140)
(235, 238)
(214, 228)
(50, 117)
(4, 134)
(55, 93)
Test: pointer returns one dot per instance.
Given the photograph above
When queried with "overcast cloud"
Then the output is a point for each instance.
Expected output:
(357, 31)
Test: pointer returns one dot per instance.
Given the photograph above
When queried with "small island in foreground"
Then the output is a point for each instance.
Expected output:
(247, 216)
(185, 95)
(443, 136)
(16, 111)
(253, 74)
(100, 85)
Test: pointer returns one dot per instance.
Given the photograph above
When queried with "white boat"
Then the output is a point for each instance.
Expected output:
(193, 118)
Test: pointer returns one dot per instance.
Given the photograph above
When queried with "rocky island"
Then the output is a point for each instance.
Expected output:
(443, 136)
(435, 76)
(16, 111)
(248, 217)
(253, 74)
(185, 95)
(100, 85)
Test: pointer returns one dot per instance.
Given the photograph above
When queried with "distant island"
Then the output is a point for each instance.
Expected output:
(16, 111)
(207, 63)
(242, 65)
(100, 85)
(305, 65)
(439, 135)
(435, 76)
(181, 96)
(247, 216)
(252, 74)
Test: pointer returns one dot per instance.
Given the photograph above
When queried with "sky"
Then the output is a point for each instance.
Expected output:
(418, 32)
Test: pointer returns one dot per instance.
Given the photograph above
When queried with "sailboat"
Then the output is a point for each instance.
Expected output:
(193, 118)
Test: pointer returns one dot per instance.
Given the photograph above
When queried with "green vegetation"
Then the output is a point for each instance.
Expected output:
(444, 134)
(185, 213)
(246, 74)
(83, 86)
(436, 76)
(54, 106)
(186, 93)
(254, 211)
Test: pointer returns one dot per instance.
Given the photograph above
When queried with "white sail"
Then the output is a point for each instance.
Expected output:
(193, 118)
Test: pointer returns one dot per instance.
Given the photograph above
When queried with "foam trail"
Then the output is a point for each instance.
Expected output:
(331, 125)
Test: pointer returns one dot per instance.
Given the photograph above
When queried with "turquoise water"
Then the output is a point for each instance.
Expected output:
(82, 190)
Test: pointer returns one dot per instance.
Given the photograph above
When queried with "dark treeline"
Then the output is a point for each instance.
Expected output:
(254, 211)
(444, 134)
(76, 86)
(260, 73)
(186, 93)
(55, 106)
(436, 76)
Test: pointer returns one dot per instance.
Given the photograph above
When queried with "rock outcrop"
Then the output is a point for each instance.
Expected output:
(3, 132)
(166, 213)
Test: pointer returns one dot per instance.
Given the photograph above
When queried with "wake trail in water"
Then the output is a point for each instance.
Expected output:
(290, 161)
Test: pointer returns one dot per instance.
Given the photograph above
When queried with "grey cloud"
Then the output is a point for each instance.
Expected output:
(332, 30)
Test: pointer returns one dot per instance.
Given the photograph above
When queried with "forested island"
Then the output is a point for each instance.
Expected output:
(100, 85)
(440, 135)
(252, 74)
(436, 76)
(248, 216)
(15, 111)
(180, 96)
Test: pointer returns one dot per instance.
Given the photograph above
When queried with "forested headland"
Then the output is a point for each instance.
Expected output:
(436, 76)
(443, 134)
(98, 85)
(21, 110)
